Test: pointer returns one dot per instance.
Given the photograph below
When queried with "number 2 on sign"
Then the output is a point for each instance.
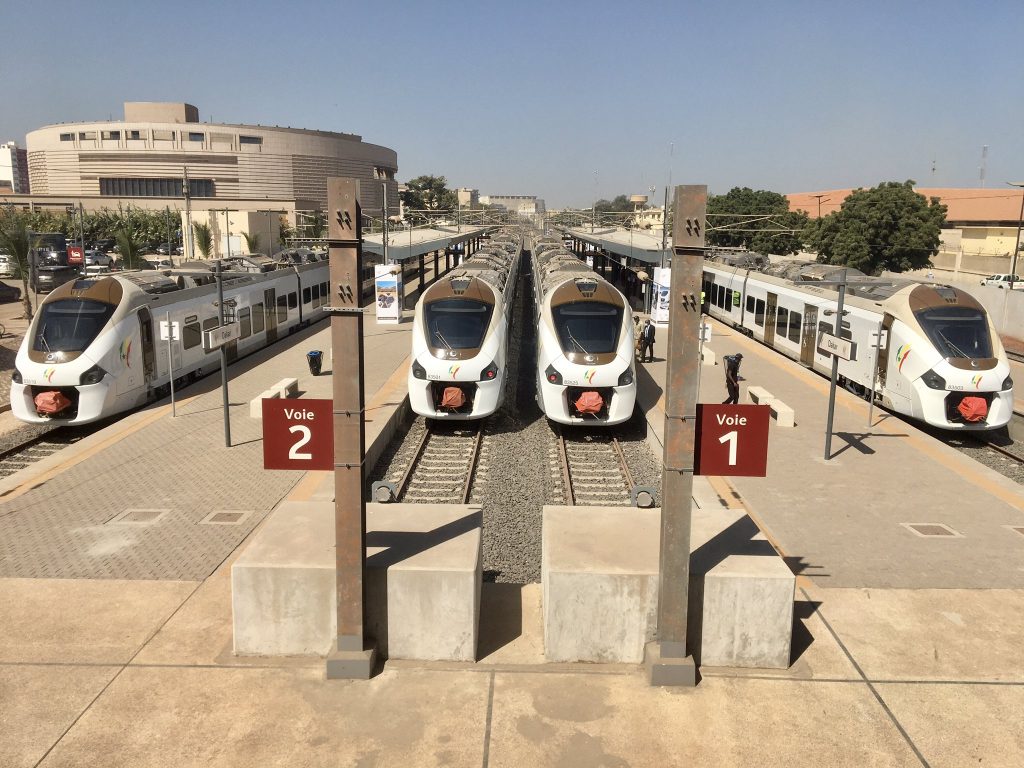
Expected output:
(293, 452)
(728, 437)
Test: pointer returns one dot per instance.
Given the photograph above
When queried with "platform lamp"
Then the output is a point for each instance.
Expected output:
(1020, 221)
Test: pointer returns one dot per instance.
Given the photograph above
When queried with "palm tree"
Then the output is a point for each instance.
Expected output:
(252, 241)
(18, 241)
(204, 238)
(127, 245)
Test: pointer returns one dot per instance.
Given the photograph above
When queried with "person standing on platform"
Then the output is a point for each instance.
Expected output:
(647, 342)
(732, 378)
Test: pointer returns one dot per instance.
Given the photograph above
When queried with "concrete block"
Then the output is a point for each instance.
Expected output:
(760, 396)
(707, 356)
(599, 574)
(256, 404)
(783, 414)
(286, 388)
(747, 616)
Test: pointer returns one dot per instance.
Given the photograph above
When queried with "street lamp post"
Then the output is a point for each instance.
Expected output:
(1020, 221)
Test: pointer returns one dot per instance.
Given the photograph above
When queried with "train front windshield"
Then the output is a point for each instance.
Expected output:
(70, 325)
(957, 331)
(457, 323)
(587, 327)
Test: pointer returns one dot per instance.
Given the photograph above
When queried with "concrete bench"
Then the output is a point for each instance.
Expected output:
(760, 396)
(783, 414)
(287, 387)
(256, 404)
(747, 615)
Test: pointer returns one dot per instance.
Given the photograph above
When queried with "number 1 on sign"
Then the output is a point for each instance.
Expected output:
(730, 437)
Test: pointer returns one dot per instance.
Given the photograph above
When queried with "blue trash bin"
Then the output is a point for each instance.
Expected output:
(315, 359)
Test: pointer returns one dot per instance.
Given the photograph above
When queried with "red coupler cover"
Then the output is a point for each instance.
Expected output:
(973, 408)
(51, 402)
(589, 402)
(453, 397)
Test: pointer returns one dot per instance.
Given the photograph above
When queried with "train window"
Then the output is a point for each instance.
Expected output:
(957, 331)
(210, 323)
(325, 291)
(307, 295)
(293, 300)
(588, 327)
(844, 332)
(191, 336)
(759, 313)
(70, 325)
(795, 321)
(316, 296)
(245, 321)
(781, 321)
(750, 303)
(282, 308)
(257, 318)
(457, 323)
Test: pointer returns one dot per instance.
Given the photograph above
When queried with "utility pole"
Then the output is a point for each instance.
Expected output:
(186, 190)
(664, 229)
(224, 359)
(384, 210)
(819, 203)
(1020, 221)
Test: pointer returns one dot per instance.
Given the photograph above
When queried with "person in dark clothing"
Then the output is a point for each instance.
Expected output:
(732, 378)
(647, 342)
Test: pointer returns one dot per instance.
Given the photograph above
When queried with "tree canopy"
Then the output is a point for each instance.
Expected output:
(429, 193)
(617, 204)
(757, 220)
(17, 240)
(888, 227)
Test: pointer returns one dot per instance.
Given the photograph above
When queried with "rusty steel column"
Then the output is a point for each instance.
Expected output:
(353, 656)
(666, 657)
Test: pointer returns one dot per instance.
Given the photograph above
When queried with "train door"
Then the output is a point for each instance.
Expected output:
(882, 362)
(769, 319)
(148, 345)
(270, 314)
(809, 340)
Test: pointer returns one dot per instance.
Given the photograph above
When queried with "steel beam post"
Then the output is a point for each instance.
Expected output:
(667, 659)
(353, 656)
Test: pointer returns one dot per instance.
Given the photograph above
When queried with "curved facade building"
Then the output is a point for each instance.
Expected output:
(149, 153)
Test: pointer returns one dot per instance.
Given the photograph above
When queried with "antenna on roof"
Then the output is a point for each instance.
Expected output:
(984, 160)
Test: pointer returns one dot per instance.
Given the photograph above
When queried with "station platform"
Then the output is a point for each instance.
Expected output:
(117, 647)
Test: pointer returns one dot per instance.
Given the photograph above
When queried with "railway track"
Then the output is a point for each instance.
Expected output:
(441, 469)
(594, 471)
(35, 446)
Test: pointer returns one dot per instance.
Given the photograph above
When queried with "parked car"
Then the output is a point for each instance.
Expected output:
(97, 258)
(9, 293)
(8, 266)
(49, 277)
(1004, 281)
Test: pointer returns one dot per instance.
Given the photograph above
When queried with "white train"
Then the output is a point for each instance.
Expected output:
(93, 349)
(460, 335)
(585, 341)
(939, 359)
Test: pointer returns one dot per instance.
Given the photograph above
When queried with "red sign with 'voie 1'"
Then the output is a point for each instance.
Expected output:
(732, 440)
(298, 434)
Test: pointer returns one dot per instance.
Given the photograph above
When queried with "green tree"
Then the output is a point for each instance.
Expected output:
(888, 227)
(756, 220)
(317, 224)
(128, 246)
(16, 238)
(616, 205)
(283, 231)
(204, 239)
(252, 241)
(429, 193)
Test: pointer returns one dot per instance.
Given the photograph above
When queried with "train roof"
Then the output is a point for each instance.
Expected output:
(557, 266)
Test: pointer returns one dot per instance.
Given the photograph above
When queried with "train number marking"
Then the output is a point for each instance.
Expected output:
(730, 437)
(293, 452)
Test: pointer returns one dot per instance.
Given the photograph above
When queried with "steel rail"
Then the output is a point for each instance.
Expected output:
(473, 458)
(623, 464)
(570, 497)
(404, 480)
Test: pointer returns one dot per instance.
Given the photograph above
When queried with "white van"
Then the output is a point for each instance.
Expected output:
(8, 266)
(1004, 281)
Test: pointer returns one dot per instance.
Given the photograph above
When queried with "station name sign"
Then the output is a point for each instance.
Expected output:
(832, 345)
(221, 335)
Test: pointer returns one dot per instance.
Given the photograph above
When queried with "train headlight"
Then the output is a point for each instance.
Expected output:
(16, 377)
(93, 376)
(553, 376)
(418, 371)
(489, 373)
(932, 380)
(626, 377)
(1007, 384)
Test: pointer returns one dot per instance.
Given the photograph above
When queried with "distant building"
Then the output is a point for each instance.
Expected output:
(14, 168)
(143, 160)
(468, 198)
(524, 205)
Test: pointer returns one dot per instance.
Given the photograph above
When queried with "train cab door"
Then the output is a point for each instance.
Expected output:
(882, 361)
(769, 319)
(148, 346)
(809, 337)
(270, 314)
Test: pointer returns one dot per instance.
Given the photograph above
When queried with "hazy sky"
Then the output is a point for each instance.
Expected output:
(561, 100)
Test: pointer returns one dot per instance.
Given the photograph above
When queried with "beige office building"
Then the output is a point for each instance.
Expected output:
(143, 160)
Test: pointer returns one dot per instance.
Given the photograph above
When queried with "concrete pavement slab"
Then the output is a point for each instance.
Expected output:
(174, 718)
(618, 720)
(83, 621)
(958, 725)
(929, 634)
(39, 702)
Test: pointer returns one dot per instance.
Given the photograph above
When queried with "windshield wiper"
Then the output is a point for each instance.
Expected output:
(575, 341)
(42, 338)
(443, 340)
(953, 346)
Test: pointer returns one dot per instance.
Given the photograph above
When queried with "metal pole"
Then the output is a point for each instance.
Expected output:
(224, 359)
(666, 658)
(227, 238)
(384, 210)
(874, 374)
(186, 190)
(170, 364)
(664, 228)
(81, 227)
(1020, 221)
(837, 330)
(353, 655)
(167, 224)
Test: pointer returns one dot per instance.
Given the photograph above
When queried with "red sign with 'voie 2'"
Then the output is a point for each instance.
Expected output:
(298, 434)
(732, 440)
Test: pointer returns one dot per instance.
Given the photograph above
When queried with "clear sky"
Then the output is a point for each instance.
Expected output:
(566, 101)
